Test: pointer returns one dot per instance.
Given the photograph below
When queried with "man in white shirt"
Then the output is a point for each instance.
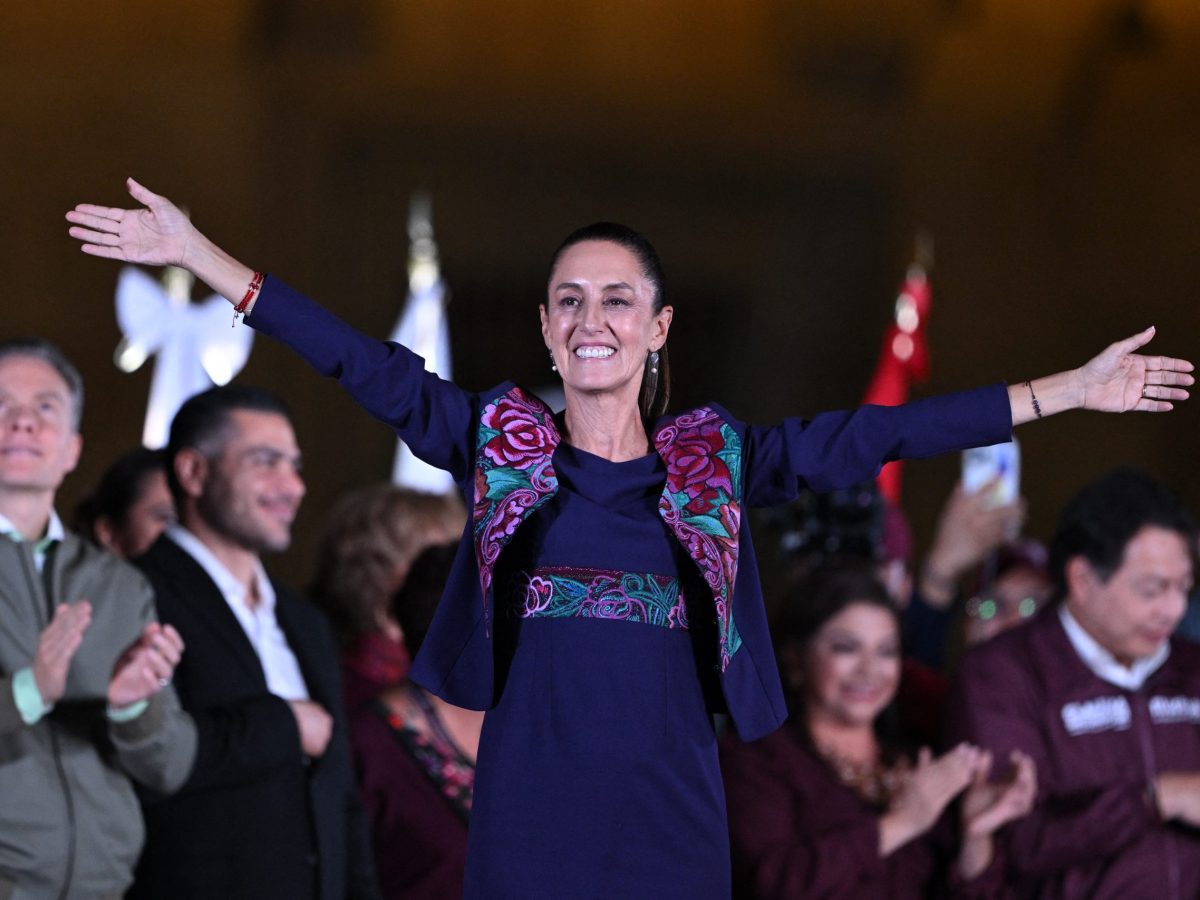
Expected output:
(271, 809)
(1106, 702)
(84, 668)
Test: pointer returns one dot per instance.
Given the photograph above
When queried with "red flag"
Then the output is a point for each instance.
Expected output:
(903, 359)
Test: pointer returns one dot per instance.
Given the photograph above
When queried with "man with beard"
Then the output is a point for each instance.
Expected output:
(271, 808)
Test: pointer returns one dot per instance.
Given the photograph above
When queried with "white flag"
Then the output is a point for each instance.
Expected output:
(423, 330)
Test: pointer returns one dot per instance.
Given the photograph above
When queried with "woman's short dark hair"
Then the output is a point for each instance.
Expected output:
(1100, 521)
(656, 387)
(121, 486)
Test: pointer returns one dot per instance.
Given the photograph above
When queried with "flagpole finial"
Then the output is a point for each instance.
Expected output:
(177, 284)
(923, 249)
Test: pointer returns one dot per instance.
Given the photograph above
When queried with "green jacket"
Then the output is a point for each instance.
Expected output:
(70, 824)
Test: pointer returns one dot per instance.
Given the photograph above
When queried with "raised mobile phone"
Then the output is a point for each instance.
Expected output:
(999, 461)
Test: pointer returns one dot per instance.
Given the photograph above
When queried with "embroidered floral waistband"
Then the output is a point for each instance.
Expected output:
(561, 592)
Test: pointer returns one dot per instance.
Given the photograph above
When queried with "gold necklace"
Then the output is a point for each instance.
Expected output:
(873, 781)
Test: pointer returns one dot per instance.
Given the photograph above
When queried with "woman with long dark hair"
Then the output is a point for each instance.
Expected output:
(836, 804)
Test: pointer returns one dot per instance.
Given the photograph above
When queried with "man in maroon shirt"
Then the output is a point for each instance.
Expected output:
(1106, 702)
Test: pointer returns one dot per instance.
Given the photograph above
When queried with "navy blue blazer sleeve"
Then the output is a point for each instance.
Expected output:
(434, 417)
(839, 449)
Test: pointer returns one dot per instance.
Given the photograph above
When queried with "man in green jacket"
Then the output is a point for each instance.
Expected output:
(86, 706)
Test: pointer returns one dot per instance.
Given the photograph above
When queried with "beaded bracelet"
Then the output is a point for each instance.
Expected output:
(251, 292)
(1037, 407)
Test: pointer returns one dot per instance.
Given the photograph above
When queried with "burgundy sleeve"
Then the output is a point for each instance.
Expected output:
(996, 705)
(775, 849)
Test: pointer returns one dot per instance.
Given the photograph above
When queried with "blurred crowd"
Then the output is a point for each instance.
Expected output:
(1000, 717)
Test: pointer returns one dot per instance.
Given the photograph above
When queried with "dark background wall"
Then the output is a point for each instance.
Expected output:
(781, 154)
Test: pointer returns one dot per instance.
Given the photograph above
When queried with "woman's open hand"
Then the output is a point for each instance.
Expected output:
(926, 792)
(158, 234)
(988, 806)
(1121, 380)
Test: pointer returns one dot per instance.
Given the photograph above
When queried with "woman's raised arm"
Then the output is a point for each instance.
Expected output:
(1119, 379)
(434, 417)
(158, 234)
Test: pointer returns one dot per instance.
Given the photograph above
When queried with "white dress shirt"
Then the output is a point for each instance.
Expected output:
(279, 663)
(1103, 664)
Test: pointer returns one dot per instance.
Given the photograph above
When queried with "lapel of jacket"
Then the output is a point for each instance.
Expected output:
(196, 591)
(701, 504)
(304, 644)
(514, 475)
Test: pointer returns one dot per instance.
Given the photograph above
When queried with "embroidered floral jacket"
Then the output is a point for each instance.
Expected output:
(499, 445)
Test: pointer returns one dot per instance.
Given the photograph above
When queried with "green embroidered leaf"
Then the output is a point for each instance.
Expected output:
(731, 455)
(710, 525)
(484, 434)
(502, 481)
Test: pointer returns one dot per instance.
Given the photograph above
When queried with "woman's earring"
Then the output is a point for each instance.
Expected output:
(653, 362)
(553, 365)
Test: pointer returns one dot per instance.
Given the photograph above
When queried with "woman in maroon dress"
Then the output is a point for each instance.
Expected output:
(831, 805)
(415, 757)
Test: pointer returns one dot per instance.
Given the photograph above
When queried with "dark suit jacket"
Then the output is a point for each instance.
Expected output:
(256, 819)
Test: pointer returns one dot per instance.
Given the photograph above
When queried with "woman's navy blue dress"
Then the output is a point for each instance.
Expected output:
(591, 611)
(598, 773)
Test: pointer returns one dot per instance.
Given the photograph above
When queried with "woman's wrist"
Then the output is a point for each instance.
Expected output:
(216, 268)
(895, 830)
(1041, 397)
(938, 584)
(974, 857)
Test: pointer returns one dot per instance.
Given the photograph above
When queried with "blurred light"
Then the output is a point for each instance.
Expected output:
(219, 363)
(907, 317)
(902, 347)
(129, 356)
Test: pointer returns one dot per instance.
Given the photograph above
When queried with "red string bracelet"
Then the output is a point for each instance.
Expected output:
(251, 292)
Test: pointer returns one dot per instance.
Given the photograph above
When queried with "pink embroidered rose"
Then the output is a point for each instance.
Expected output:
(538, 593)
(524, 437)
(693, 467)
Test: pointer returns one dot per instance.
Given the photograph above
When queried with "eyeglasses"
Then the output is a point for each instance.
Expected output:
(987, 608)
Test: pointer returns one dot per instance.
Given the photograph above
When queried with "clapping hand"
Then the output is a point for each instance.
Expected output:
(988, 806)
(927, 791)
(146, 666)
(56, 648)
